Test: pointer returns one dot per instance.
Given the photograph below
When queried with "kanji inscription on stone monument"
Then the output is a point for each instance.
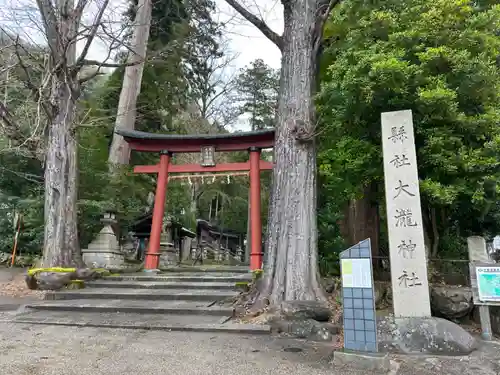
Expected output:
(404, 217)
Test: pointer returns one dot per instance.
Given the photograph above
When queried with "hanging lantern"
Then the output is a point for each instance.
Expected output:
(208, 156)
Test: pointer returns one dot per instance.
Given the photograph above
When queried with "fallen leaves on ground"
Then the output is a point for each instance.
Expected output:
(17, 288)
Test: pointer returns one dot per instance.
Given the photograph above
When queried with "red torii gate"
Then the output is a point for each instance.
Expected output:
(168, 144)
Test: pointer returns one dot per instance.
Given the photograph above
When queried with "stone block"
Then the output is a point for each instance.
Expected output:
(103, 259)
(169, 256)
(305, 329)
(362, 361)
(424, 336)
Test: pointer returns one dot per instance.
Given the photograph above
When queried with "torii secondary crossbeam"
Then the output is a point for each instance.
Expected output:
(167, 145)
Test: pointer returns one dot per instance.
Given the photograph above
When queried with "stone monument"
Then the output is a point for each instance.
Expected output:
(104, 251)
(239, 254)
(168, 252)
(411, 330)
(186, 248)
(410, 287)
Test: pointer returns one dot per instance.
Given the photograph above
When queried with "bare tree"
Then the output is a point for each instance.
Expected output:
(211, 89)
(291, 270)
(60, 77)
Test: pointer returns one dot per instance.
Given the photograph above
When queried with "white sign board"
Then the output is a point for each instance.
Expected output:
(488, 283)
(404, 217)
(356, 273)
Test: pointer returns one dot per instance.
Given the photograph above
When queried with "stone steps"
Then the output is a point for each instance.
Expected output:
(180, 285)
(207, 269)
(186, 277)
(182, 299)
(142, 294)
(194, 323)
(134, 306)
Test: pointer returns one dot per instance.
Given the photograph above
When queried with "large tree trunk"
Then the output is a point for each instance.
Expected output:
(119, 152)
(362, 220)
(291, 270)
(61, 246)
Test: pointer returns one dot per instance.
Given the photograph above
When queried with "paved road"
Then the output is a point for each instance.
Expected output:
(46, 350)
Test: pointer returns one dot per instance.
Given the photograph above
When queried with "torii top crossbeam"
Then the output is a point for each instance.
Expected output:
(207, 145)
(180, 143)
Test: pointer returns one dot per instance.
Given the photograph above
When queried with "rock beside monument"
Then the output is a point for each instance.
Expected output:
(306, 310)
(424, 336)
(451, 302)
(306, 329)
(302, 319)
(381, 291)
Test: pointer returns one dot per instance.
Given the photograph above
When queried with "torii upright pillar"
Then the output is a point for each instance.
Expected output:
(255, 218)
(152, 260)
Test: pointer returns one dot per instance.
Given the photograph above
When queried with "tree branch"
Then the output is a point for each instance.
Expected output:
(12, 130)
(97, 71)
(78, 12)
(258, 23)
(50, 23)
(93, 31)
(324, 12)
(29, 82)
(109, 65)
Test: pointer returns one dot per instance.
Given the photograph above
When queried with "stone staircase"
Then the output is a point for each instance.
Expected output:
(178, 299)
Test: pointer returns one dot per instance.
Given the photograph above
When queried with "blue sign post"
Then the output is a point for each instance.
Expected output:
(360, 322)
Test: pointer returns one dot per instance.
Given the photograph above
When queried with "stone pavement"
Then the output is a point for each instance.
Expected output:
(49, 350)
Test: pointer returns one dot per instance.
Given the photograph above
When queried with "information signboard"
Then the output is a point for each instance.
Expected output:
(488, 283)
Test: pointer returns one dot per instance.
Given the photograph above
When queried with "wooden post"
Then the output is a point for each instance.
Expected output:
(479, 254)
(153, 254)
(255, 219)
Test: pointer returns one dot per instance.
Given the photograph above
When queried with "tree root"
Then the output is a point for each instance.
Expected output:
(257, 307)
(56, 279)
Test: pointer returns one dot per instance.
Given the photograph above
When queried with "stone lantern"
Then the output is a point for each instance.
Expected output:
(104, 251)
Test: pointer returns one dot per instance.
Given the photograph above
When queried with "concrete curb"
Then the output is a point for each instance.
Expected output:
(362, 361)
(222, 328)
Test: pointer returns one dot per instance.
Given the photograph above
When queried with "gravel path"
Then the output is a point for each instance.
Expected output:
(44, 350)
